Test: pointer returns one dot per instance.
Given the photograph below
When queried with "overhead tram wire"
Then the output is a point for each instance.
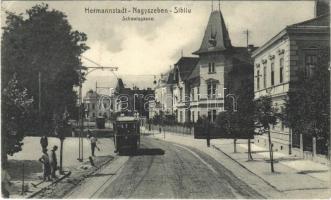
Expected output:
(112, 69)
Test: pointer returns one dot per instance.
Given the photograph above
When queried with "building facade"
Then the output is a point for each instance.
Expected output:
(181, 88)
(201, 84)
(163, 94)
(132, 100)
(279, 61)
(97, 105)
(220, 71)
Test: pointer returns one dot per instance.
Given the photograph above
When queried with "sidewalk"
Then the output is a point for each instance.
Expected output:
(291, 173)
(293, 177)
(33, 171)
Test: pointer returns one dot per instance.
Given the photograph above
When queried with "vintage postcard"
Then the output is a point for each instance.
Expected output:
(165, 99)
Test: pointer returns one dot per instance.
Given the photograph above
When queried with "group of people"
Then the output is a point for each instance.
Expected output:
(49, 161)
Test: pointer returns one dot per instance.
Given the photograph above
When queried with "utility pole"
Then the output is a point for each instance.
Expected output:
(39, 101)
(81, 117)
(247, 36)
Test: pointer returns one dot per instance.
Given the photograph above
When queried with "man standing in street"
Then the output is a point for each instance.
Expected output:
(93, 141)
(53, 161)
(44, 142)
(46, 165)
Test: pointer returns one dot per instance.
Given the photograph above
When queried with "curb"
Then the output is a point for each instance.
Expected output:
(274, 187)
(86, 176)
(65, 176)
(53, 183)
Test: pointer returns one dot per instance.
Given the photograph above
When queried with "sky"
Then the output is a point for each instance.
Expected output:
(143, 49)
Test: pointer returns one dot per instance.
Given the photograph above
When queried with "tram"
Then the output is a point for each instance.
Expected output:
(126, 133)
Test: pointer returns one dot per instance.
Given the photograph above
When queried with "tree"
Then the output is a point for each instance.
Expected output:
(42, 41)
(308, 103)
(245, 113)
(16, 110)
(265, 114)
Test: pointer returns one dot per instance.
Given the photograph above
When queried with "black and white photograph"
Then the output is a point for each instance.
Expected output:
(209, 99)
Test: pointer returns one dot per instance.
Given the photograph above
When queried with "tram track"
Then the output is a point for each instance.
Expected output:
(164, 170)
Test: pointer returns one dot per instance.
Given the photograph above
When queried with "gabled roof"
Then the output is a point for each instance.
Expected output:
(216, 37)
(171, 78)
(320, 24)
(91, 94)
(322, 20)
(185, 66)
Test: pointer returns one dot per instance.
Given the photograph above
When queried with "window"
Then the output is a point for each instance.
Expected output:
(264, 75)
(180, 116)
(258, 80)
(214, 115)
(281, 70)
(192, 116)
(211, 90)
(272, 73)
(93, 114)
(209, 116)
(198, 93)
(211, 67)
(192, 94)
(283, 125)
(93, 106)
(198, 114)
(180, 94)
(310, 64)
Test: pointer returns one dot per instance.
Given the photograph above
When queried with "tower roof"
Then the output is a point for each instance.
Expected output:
(216, 37)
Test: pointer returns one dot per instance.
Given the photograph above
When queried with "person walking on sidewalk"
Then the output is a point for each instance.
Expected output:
(53, 162)
(46, 165)
(93, 141)
(206, 128)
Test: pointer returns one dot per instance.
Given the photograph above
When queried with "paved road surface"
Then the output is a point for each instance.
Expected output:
(166, 170)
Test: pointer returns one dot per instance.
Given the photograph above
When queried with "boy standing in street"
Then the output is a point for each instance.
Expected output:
(93, 141)
(53, 162)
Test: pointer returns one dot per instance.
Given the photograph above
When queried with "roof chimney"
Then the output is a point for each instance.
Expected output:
(250, 48)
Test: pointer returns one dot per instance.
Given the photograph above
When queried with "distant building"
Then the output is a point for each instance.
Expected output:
(132, 101)
(276, 64)
(97, 105)
(200, 84)
(164, 94)
(181, 88)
